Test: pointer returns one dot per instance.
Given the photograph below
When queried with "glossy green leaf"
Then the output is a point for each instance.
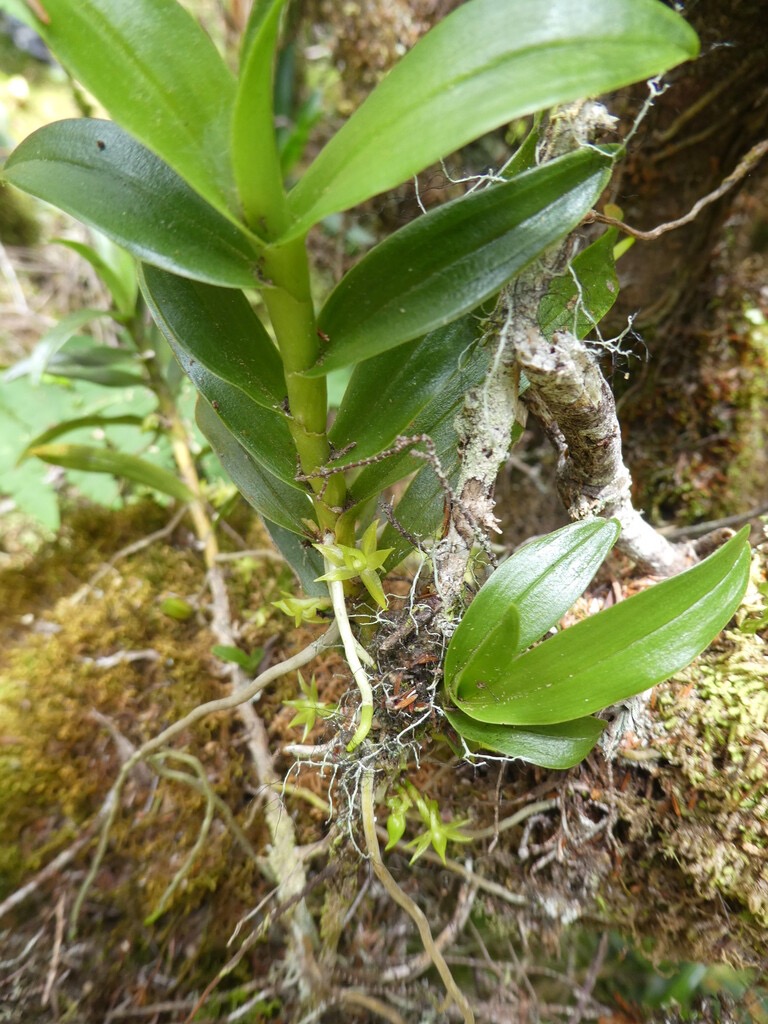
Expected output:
(437, 422)
(550, 746)
(217, 328)
(386, 393)
(94, 171)
(117, 271)
(271, 497)
(579, 299)
(262, 432)
(118, 464)
(160, 77)
(450, 260)
(78, 423)
(254, 145)
(524, 598)
(485, 64)
(620, 652)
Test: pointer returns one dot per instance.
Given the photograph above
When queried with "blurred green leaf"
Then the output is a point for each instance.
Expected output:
(36, 364)
(67, 426)
(617, 653)
(450, 260)
(487, 63)
(557, 746)
(271, 497)
(118, 464)
(94, 171)
(117, 273)
(247, 662)
(159, 75)
(579, 299)
(217, 328)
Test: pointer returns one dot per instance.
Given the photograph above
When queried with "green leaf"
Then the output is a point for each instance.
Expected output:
(217, 328)
(67, 426)
(620, 652)
(559, 746)
(484, 65)
(85, 358)
(524, 598)
(118, 272)
(263, 433)
(35, 365)
(94, 171)
(387, 392)
(254, 145)
(159, 75)
(271, 497)
(435, 421)
(579, 299)
(450, 260)
(118, 464)
(247, 662)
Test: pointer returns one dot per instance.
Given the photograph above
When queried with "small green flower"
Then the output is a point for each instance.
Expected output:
(364, 561)
(309, 707)
(438, 832)
(303, 609)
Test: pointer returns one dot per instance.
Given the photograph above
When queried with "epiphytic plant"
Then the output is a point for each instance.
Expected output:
(188, 178)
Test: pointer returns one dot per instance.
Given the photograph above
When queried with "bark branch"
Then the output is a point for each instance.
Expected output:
(570, 396)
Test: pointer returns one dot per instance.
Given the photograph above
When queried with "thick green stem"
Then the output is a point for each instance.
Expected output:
(289, 301)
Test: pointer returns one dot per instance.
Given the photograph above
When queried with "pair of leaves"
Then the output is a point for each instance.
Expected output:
(611, 656)
(487, 63)
(484, 65)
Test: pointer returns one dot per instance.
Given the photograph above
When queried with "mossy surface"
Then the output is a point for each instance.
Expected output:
(698, 826)
(86, 676)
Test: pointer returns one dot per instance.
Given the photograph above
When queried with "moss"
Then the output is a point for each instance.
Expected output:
(72, 704)
(703, 825)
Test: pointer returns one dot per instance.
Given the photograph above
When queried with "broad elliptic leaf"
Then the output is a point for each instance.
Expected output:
(271, 497)
(450, 260)
(218, 329)
(94, 171)
(549, 746)
(619, 652)
(386, 393)
(579, 299)
(524, 598)
(160, 77)
(117, 464)
(487, 63)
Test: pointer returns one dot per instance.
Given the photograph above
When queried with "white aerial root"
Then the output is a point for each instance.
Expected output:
(353, 652)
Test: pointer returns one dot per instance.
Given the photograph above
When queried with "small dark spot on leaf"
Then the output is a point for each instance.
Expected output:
(101, 145)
